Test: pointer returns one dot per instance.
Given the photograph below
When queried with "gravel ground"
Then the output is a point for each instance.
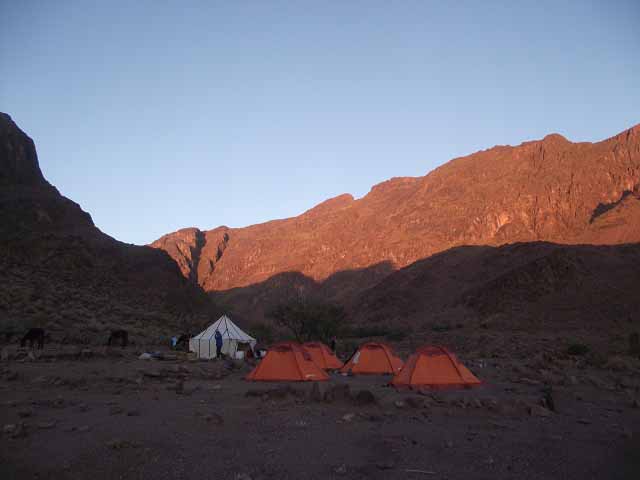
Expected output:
(110, 415)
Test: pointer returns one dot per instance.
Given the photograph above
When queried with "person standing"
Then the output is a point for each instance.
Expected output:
(218, 337)
(332, 344)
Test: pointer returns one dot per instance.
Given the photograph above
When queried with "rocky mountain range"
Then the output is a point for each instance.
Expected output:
(496, 206)
(58, 271)
(545, 234)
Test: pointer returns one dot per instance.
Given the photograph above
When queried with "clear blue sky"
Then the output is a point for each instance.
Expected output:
(155, 116)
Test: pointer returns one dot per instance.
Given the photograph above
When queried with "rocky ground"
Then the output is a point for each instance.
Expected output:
(74, 412)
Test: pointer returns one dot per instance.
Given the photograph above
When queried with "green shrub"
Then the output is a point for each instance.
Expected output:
(578, 349)
(440, 327)
(366, 331)
(396, 336)
(263, 332)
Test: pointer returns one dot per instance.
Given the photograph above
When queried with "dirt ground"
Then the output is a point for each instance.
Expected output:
(103, 413)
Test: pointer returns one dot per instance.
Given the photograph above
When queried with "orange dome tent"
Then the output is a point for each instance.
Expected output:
(322, 356)
(373, 358)
(287, 362)
(434, 367)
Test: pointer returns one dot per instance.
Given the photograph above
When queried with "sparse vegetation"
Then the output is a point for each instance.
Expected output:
(578, 349)
(440, 327)
(263, 332)
(308, 320)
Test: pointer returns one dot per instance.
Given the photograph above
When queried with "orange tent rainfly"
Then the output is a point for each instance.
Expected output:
(434, 367)
(373, 358)
(322, 355)
(287, 362)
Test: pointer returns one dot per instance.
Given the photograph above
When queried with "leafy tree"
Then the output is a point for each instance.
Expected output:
(309, 320)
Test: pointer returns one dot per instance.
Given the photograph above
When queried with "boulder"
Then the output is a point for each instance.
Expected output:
(539, 411)
(364, 397)
(338, 393)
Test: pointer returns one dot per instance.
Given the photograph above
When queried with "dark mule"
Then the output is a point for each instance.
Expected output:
(119, 335)
(183, 342)
(32, 336)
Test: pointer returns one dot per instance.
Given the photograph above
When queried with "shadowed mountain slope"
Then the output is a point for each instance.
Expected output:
(59, 271)
(548, 190)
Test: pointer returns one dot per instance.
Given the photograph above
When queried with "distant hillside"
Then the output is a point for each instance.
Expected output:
(549, 190)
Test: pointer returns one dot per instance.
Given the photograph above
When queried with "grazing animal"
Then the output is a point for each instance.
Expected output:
(183, 342)
(119, 335)
(32, 336)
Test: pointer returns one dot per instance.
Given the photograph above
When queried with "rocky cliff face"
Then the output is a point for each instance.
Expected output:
(548, 190)
(57, 270)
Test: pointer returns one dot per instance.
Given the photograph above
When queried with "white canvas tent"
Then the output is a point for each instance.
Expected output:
(204, 344)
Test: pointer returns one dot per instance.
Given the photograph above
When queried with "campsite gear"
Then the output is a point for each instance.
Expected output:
(373, 358)
(287, 362)
(323, 357)
(434, 367)
(204, 344)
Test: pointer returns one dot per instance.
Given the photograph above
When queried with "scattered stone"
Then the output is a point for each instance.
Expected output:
(133, 413)
(538, 411)
(388, 465)
(84, 428)
(46, 425)
(529, 381)
(120, 444)
(364, 397)
(348, 417)
(448, 443)
(399, 404)
(338, 393)
(414, 402)
(9, 428)
(340, 470)
(214, 418)
(15, 430)
(25, 413)
(116, 410)
(584, 421)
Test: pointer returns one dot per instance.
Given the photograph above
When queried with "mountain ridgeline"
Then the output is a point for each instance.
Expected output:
(356, 252)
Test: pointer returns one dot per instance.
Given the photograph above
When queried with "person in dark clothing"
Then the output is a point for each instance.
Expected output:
(218, 337)
(332, 344)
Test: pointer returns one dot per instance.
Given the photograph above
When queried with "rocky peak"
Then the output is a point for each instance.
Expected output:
(18, 158)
